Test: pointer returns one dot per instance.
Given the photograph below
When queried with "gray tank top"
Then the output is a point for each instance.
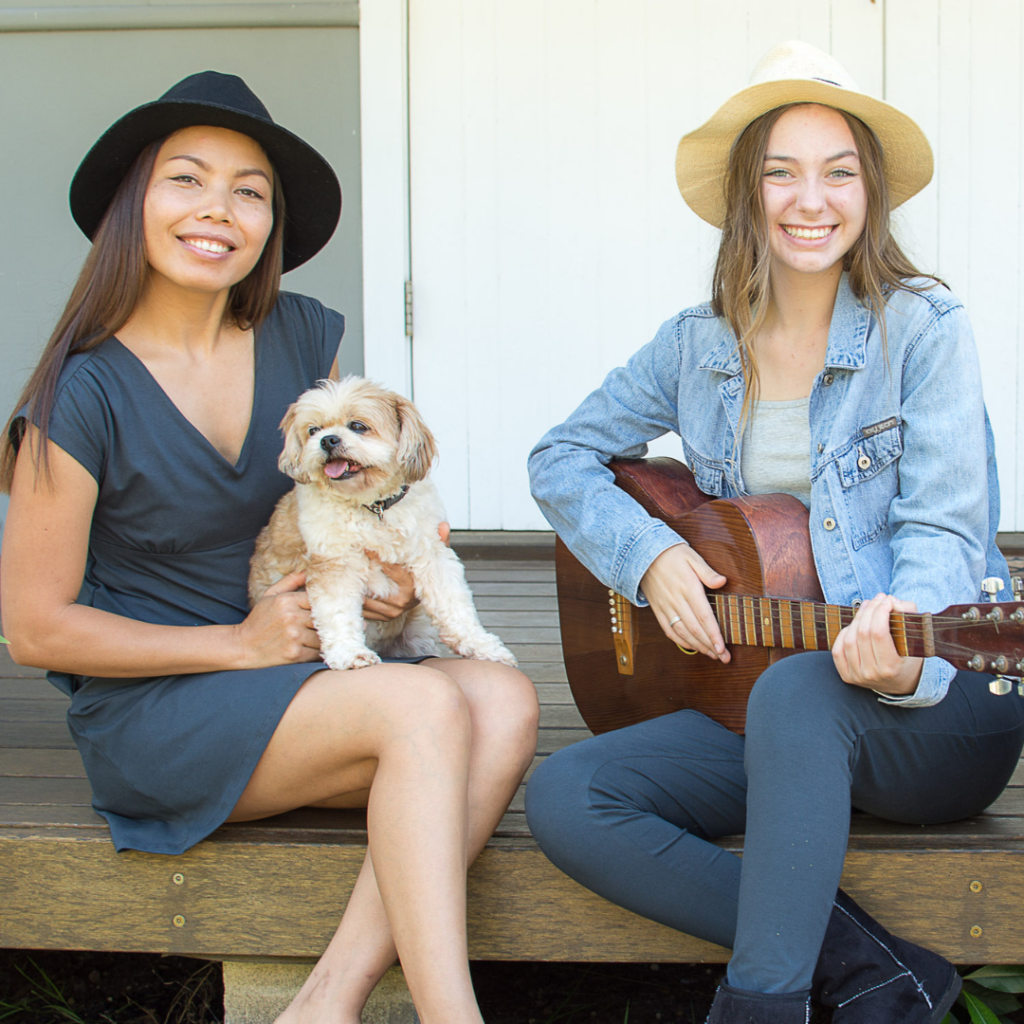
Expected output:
(776, 453)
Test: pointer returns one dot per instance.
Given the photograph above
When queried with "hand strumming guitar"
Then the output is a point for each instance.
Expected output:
(674, 585)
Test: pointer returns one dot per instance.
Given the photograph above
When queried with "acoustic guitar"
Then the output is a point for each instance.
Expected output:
(623, 669)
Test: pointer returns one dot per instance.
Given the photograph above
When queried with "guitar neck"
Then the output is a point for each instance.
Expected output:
(811, 625)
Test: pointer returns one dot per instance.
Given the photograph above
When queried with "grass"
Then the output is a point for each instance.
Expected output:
(96, 988)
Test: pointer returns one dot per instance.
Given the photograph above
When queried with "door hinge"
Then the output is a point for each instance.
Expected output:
(408, 309)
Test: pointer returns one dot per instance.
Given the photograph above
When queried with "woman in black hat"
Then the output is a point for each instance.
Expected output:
(141, 463)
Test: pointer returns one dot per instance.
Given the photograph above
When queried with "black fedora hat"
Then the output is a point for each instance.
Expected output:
(311, 190)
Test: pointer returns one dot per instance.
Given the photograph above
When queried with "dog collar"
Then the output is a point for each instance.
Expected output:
(381, 505)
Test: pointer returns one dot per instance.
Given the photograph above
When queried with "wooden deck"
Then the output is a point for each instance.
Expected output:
(277, 887)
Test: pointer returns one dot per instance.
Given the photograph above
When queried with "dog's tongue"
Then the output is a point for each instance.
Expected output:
(336, 469)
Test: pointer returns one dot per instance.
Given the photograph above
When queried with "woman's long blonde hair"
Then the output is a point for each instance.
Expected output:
(741, 289)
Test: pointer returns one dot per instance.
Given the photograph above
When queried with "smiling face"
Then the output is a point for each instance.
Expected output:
(208, 208)
(815, 202)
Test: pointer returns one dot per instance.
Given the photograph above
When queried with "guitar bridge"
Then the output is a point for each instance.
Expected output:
(624, 632)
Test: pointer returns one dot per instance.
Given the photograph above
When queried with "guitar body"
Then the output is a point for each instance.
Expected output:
(760, 544)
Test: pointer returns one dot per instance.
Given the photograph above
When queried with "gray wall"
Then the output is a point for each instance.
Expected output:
(59, 90)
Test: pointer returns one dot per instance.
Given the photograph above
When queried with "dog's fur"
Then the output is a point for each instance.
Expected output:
(348, 445)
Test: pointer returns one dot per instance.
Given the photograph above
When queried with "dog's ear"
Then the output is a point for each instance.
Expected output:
(290, 461)
(417, 448)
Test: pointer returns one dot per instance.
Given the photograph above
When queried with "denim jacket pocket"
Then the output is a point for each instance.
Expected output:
(867, 470)
(707, 474)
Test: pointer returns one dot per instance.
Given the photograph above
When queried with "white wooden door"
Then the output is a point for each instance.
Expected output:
(549, 240)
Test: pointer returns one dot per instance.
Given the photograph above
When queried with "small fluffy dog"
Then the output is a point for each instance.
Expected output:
(359, 456)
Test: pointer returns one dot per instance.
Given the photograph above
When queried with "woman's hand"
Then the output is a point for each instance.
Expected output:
(864, 652)
(674, 585)
(279, 629)
(384, 609)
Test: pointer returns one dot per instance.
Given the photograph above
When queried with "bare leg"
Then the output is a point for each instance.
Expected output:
(502, 712)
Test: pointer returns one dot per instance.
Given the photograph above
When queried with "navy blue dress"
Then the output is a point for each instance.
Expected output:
(173, 530)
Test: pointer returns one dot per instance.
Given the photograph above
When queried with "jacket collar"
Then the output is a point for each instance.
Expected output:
(847, 337)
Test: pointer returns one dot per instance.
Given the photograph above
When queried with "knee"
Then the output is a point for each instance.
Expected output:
(504, 709)
(434, 700)
(513, 704)
(797, 699)
(556, 798)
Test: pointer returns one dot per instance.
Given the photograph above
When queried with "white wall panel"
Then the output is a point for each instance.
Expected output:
(548, 237)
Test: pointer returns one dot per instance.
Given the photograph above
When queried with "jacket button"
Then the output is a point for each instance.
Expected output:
(829, 523)
(827, 379)
(863, 462)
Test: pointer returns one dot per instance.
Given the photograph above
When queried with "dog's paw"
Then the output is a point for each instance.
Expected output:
(486, 647)
(360, 657)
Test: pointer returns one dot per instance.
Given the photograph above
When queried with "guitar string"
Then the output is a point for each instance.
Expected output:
(749, 617)
(819, 614)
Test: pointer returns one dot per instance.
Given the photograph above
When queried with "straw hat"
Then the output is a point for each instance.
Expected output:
(796, 72)
(311, 190)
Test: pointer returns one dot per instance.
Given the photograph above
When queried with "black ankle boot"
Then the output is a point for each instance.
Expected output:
(872, 977)
(734, 1006)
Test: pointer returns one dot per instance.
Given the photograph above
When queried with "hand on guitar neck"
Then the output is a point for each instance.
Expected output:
(865, 654)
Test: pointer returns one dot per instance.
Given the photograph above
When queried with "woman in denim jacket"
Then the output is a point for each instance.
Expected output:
(827, 367)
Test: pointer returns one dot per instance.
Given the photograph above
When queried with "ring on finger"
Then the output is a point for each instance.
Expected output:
(674, 620)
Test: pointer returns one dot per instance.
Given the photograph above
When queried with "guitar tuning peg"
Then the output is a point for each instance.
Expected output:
(1017, 585)
(1000, 686)
(991, 585)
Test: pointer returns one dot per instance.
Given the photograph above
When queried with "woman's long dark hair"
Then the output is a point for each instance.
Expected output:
(109, 287)
(742, 288)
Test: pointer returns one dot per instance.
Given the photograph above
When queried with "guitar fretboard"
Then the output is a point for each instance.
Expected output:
(802, 625)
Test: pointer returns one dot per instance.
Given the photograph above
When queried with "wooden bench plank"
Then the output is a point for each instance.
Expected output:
(17, 710)
(545, 671)
(241, 897)
(60, 791)
(489, 602)
(527, 634)
(478, 574)
(561, 716)
(515, 589)
(35, 735)
(505, 619)
(29, 688)
(41, 763)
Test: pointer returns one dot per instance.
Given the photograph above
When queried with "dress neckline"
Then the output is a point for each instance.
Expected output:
(154, 384)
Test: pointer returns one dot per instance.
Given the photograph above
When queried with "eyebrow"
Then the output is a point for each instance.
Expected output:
(245, 172)
(832, 159)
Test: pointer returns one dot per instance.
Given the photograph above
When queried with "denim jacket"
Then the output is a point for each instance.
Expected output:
(904, 493)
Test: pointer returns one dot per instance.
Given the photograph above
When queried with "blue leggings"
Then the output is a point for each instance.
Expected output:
(629, 814)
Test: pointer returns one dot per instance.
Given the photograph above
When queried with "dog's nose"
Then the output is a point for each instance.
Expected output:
(329, 442)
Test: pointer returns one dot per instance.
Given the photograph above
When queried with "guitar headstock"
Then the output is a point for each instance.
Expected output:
(983, 637)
